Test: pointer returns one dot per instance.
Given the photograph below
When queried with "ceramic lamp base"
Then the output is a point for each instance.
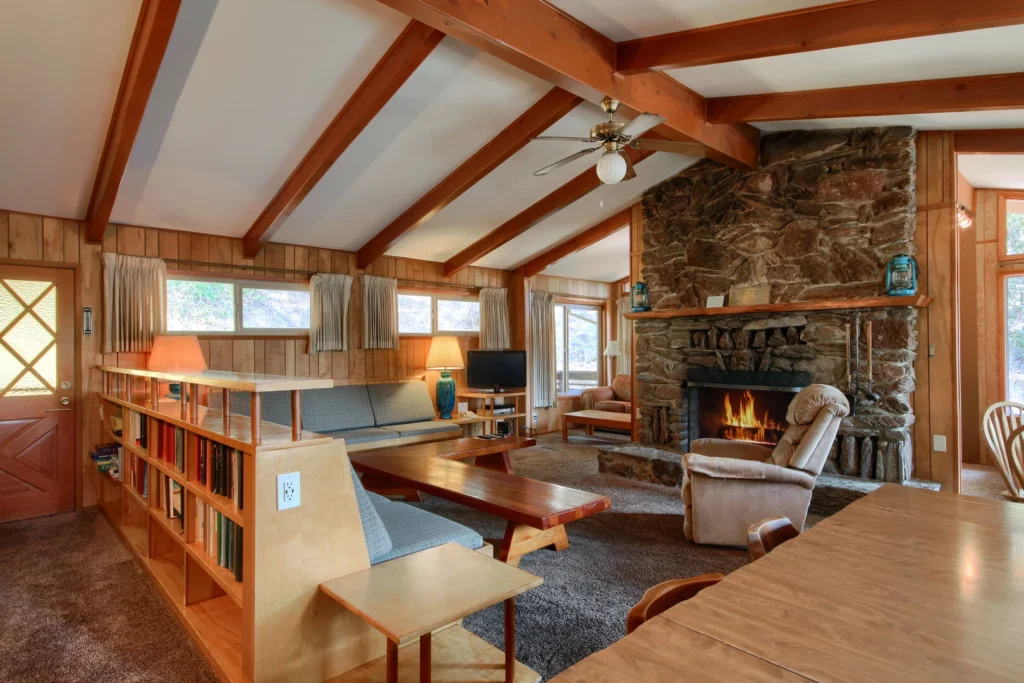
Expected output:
(445, 395)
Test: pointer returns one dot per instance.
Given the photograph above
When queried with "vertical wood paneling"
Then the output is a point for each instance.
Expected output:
(53, 239)
(72, 247)
(25, 237)
(4, 234)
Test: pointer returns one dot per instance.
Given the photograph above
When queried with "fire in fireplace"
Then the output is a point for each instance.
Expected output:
(746, 424)
(740, 405)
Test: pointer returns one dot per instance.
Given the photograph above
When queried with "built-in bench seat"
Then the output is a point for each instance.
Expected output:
(365, 416)
(412, 529)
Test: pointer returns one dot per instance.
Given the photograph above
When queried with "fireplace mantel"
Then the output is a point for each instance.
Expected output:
(918, 301)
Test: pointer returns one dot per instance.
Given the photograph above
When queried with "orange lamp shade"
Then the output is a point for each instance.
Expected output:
(445, 354)
(176, 352)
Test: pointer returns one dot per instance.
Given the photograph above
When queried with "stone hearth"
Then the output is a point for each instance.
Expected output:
(817, 222)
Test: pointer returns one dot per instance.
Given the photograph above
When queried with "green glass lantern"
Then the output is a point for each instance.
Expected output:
(638, 297)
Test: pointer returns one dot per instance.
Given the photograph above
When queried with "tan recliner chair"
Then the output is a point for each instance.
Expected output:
(729, 485)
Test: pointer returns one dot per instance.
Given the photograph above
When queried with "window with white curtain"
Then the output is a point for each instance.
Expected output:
(577, 347)
(430, 314)
(205, 303)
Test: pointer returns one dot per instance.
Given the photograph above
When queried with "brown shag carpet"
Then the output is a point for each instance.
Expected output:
(76, 606)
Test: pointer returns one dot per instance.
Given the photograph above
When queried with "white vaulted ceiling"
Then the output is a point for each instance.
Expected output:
(604, 261)
(993, 171)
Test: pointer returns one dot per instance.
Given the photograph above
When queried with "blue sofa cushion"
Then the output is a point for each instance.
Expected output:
(362, 435)
(329, 410)
(276, 405)
(378, 540)
(431, 427)
(413, 530)
(398, 402)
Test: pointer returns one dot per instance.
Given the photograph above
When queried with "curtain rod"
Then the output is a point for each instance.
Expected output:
(307, 273)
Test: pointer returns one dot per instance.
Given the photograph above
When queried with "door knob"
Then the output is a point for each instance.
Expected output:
(64, 401)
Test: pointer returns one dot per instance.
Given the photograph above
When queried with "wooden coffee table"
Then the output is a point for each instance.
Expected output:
(595, 418)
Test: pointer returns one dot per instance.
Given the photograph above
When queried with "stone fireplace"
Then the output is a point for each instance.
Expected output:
(817, 223)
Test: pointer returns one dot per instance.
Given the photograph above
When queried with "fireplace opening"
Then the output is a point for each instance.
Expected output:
(741, 405)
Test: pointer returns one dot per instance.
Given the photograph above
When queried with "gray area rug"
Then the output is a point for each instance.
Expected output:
(76, 606)
(612, 559)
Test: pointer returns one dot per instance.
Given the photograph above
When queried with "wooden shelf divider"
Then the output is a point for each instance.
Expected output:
(917, 301)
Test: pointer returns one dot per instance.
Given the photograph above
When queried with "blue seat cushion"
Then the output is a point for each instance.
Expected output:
(398, 402)
(412, 530)
(363, 435)
(429, 427)
(378, 540)
(329, 410)
(275, 406)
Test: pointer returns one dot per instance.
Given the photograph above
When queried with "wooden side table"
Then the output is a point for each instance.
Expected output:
(409, 597)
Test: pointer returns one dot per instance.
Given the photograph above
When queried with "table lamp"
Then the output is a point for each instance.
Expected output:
(176, 352)
(613, 349)
(445, 355)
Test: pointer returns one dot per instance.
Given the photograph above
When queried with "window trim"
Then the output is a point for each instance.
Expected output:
(1002, 215)
(238, 284)
(434, 298)
(562, 388)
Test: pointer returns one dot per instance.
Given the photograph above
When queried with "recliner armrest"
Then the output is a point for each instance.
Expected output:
(725, 448)
(733, 468)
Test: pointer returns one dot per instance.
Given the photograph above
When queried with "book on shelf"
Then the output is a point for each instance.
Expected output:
(116, 425)
(170, 497)
(140, 428)
(138, 475)
(220, 469)
(220, 537)
(172, 445)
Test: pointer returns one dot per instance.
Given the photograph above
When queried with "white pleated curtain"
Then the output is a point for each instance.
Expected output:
(329, 295)
(133, 302)
(380, 312)
(542, 322)
(624, 365)
(494, 319)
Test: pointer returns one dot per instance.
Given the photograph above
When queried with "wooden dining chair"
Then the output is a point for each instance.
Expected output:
(764, 536)
(1002, 423)
(666, 594)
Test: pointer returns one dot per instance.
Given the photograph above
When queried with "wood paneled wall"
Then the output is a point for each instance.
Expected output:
(937, 398)
(39, 238)
(981, 355)
(571, 287)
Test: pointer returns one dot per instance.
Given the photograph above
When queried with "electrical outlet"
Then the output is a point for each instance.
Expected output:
(288, 491)
(938, 443)
(535, 417)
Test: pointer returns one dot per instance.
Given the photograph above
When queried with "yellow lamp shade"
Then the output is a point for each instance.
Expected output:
(445, 354)
(176, 352)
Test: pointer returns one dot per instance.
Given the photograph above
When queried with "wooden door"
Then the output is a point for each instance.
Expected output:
(37, 394)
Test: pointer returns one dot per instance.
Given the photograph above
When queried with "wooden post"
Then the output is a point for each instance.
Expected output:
(128, 390)
(225, 404)
(256, 419)
(510, 640)
(181, 400)
(154, 387)
(296, 415)
(425, 658)
(193, 402)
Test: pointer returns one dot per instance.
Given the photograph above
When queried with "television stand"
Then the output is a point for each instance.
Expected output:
(482, 403)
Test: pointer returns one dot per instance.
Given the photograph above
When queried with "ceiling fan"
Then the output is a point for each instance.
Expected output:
(614, 164)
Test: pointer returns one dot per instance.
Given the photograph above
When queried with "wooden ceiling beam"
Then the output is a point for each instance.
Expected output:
(408, 51)
(577, 242)
(538, 118)
(149, 44)
(995, 141)
(970, 93)
(840, 24)
(578, 187)
(540, 39)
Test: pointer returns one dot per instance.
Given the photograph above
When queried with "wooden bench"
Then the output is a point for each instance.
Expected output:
(536, 512)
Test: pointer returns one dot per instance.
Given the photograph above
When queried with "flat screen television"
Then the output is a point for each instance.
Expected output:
(496, 369)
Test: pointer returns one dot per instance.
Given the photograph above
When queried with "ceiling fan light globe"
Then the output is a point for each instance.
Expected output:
(611, 168)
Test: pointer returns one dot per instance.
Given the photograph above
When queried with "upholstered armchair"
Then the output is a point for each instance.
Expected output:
(618, 398)
(729, 485)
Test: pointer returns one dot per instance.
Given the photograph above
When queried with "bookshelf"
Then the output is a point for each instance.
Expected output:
(264, 626)
(483, 404)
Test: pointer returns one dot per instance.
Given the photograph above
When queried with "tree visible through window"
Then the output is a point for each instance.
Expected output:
(458, 315)
(1015, 338)
(221, 305)
(198, 306)
(577, 347)
(1014, 229)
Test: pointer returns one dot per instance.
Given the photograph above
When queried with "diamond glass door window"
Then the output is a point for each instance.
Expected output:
(28, 342)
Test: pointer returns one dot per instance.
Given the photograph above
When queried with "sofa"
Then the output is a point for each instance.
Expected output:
(729, 485)
(367, 416)
(618, 398)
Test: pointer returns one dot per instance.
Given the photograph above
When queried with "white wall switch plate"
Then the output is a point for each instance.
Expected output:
(288, 491)
(938, 443)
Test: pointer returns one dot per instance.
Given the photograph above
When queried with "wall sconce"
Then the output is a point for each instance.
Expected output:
(963, 217)
(87, 321)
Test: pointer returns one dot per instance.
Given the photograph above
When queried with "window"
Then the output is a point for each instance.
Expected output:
(577, 347)
(1014, 337)
(211, 304)
(429, 314)
(1015, 227)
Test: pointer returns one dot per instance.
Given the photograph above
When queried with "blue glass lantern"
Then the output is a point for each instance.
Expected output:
(901, 276)
(638, 298)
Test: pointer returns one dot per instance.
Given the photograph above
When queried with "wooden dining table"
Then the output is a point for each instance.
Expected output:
(902, 585)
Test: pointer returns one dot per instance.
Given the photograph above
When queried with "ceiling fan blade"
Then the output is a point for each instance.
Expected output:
(568, 160)
(640, 125)
(694, 149)
(630, 171)
(561, 138)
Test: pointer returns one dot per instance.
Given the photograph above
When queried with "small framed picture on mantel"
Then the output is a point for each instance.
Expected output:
(752, 295)
(716, 301)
